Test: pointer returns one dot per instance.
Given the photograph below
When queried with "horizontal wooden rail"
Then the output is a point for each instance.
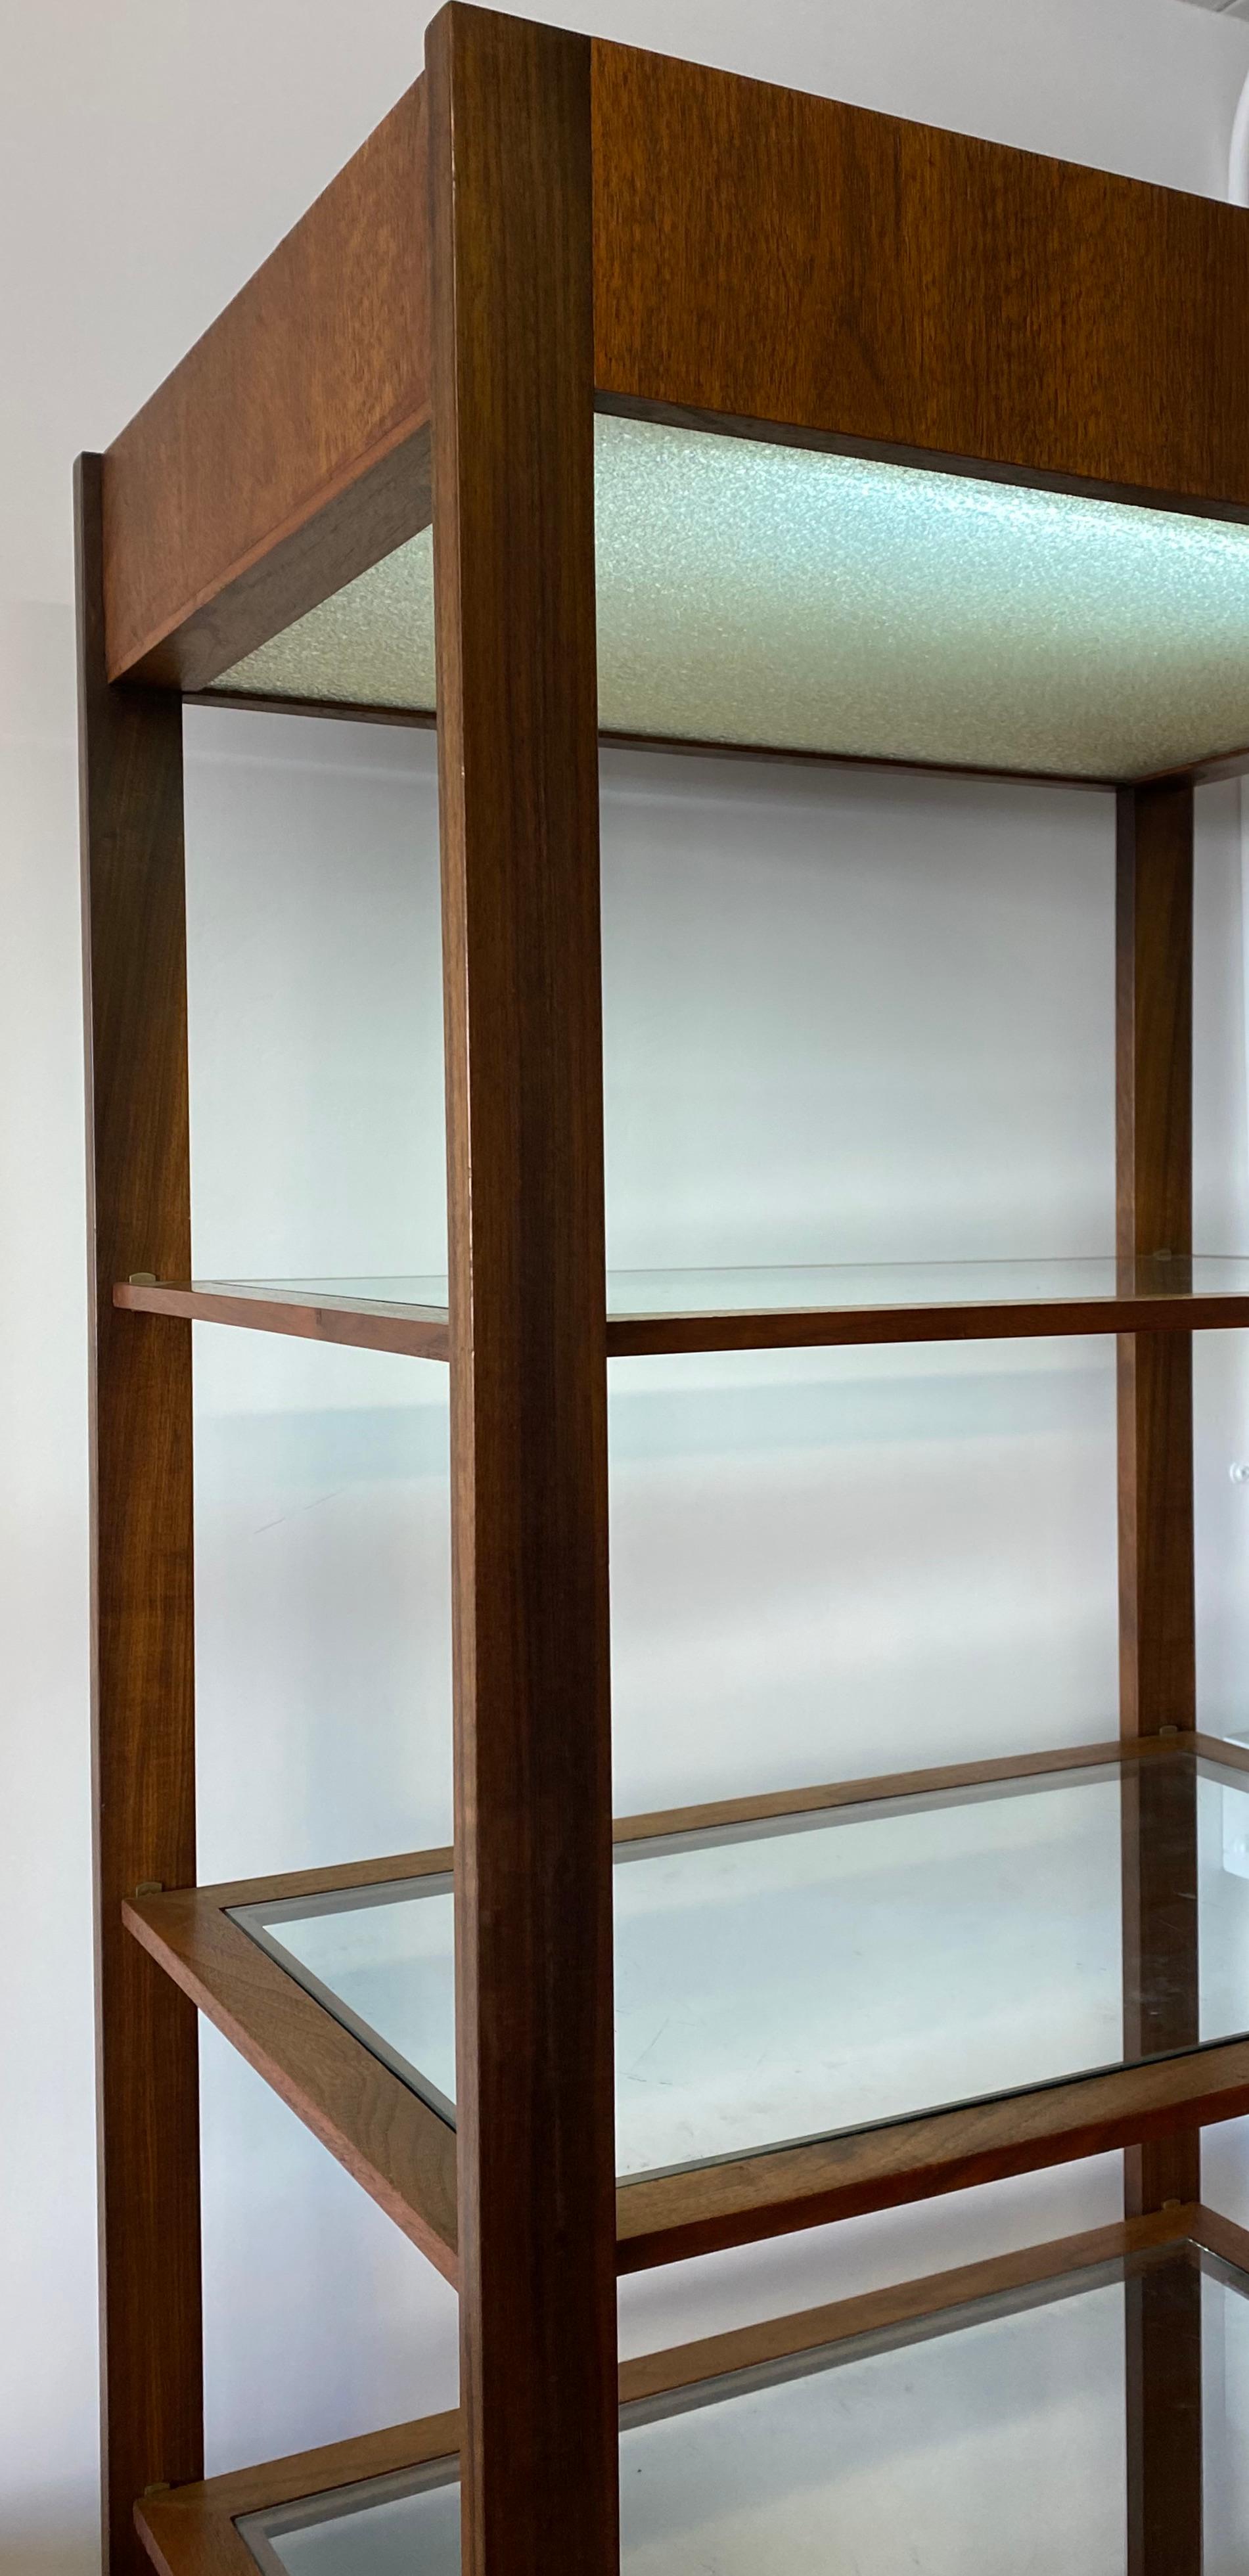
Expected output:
(422, 1332)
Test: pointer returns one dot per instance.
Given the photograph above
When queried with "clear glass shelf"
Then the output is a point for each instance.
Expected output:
(994, 2436)
(811, 1288)
(729, 1308)
(786, 1978)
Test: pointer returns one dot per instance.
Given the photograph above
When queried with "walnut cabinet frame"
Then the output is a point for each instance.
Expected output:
(545, 227)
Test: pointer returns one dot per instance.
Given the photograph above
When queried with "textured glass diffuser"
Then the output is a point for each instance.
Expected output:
(750, 593)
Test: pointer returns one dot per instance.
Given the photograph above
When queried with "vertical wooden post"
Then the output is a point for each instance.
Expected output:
(1154, 1045)
(142, 1658)
(517, 742)
(1154, 968)
(1164, 2444)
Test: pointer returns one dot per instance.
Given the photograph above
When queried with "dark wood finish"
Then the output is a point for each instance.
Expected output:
(1162, 2343)
(1154, 1020)
(1212, 1748)
(1040, 317)
(421, 1332)
(1153, 1009)
(1160, 1964)
(143, 1713)
(933, 1782)
(394, 2145)
(192, 2533)
(667, 2218)
(1221, 2236)
(1202, 773)
(385, 1871)
(509, 108)
(1230, 764)
(289, 450)
(740, 232)
(405, 2155)
(336, 710)
(288, 1883)
(903, 2304)
(1004, 1320)
(342, 710)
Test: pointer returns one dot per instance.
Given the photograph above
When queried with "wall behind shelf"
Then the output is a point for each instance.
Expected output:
(227, 123)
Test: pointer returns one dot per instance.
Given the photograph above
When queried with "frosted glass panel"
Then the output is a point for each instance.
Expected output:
(997, 2444)
(781, 1981)
(750, 593)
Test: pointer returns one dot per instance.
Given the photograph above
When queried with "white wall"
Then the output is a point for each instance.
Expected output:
(150, 157)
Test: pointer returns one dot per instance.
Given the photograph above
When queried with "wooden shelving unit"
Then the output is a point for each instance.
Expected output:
(774, 306)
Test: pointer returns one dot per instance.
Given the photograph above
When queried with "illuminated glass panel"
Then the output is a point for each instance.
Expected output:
(750, 593)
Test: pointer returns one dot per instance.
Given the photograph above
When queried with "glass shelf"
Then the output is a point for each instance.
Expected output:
(1005, 2431)
(750, 593)
(785, 1977)
(828, 2000)
(761, 1308)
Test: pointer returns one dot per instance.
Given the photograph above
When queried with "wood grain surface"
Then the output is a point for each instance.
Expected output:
(1044, 321)
(421, 1332)
(665, 2218)
(289, 450)
(903, 2305)
(715, 1813)
(424, 720)
(1163, 2389)
(1230, 764)
(872, 283)
(376, 2126)
(143, 1707)
(1157, 1616)
(509, 108)
(192, 2533)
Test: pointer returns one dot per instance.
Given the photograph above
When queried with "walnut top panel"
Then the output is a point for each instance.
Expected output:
(775, 257)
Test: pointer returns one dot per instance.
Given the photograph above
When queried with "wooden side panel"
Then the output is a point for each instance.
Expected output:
(143, 1670)
(1154, 943)
(288, 451)
(518, 774)
(780, 258)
